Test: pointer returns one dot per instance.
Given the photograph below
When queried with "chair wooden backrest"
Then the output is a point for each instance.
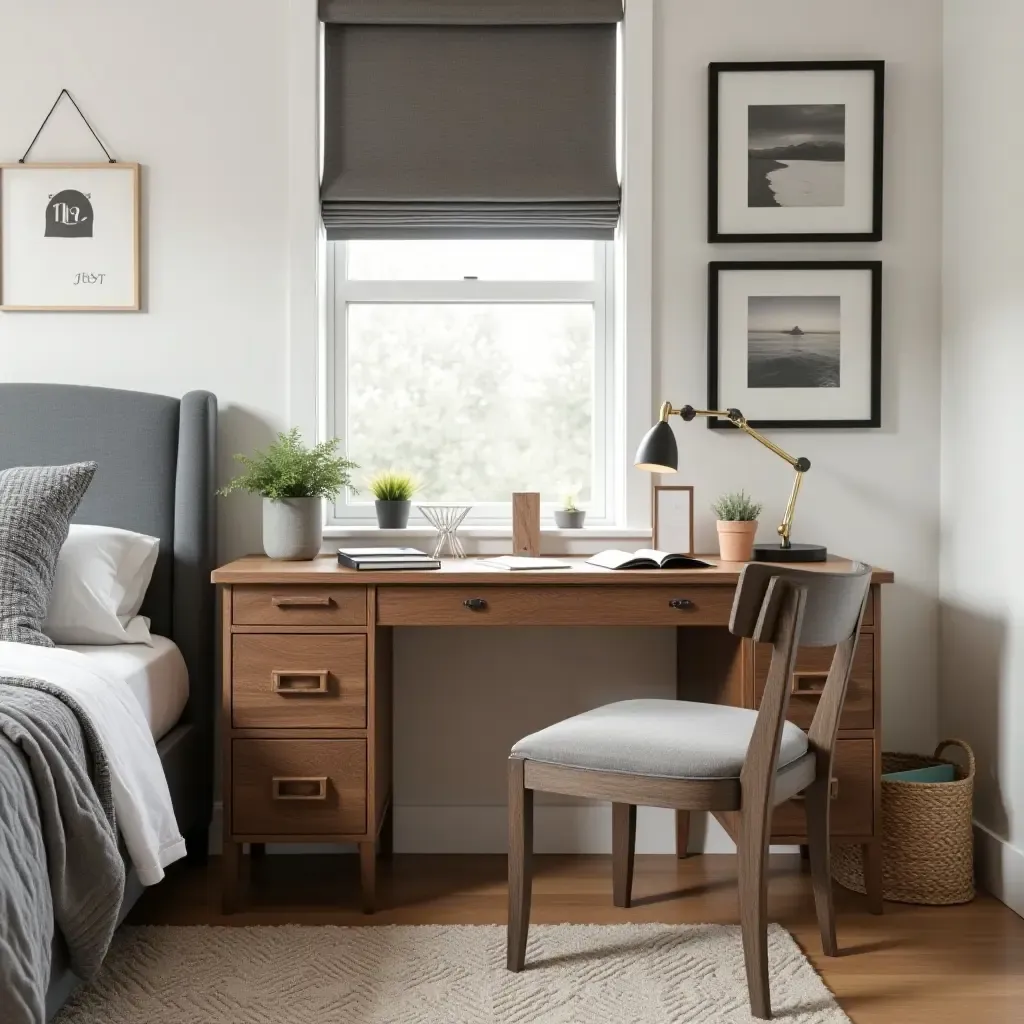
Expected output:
(790, 608)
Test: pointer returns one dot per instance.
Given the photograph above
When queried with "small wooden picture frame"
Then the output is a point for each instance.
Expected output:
(673, 519)
(69, 237)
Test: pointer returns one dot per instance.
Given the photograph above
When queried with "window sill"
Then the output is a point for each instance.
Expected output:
(490, 540)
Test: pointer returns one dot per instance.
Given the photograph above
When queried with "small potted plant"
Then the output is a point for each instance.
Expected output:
(293, 481)
(737, 526)
(569, 517)
(392, 494)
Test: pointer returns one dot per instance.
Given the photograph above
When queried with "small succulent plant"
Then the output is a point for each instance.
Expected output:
(737, 506)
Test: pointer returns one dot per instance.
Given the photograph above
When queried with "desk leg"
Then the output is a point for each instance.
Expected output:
(682, 834)
(871, 855)
(368, 876)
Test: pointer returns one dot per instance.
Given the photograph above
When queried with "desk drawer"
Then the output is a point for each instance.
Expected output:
(297, 680)
(812, 665)
(298, 787)
(536, 605)
(854, 802)
(307, 605)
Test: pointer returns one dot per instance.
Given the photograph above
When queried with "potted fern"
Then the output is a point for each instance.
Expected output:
(569, 517)
(392, 494)
(293, 481)
(737, 526)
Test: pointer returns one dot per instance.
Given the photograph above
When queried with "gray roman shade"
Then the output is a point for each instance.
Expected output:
(470, 118)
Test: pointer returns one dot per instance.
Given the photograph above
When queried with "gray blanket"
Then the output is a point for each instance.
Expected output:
(59, 859)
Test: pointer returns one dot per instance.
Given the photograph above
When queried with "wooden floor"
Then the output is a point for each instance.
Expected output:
(913, 965)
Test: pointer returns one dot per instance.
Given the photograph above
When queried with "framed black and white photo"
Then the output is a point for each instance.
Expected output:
(796, 344)
(69, 236)
(673, 519)
(795, 151)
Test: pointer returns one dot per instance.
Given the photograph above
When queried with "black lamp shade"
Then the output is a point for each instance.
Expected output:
(658, 451)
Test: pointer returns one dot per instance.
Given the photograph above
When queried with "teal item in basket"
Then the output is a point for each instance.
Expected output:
(934, 773)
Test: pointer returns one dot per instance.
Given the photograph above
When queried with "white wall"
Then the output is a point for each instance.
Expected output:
(200, 98)
(870, 494)
(982, 648)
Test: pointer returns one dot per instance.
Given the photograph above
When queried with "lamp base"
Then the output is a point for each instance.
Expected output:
(794, 553)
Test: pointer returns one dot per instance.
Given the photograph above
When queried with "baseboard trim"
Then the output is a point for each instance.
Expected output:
(580, 829)
(999, 867)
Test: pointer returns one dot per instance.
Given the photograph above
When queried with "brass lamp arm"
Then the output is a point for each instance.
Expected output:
(738, 420)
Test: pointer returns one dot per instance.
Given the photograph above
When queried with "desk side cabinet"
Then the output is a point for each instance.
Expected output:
(306, 724)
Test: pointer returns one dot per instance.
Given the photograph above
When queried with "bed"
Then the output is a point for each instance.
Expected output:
(155, 475)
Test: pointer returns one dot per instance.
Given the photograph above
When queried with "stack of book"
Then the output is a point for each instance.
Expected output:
(377, 559)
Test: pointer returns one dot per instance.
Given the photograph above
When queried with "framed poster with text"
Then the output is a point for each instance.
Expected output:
(69, 236)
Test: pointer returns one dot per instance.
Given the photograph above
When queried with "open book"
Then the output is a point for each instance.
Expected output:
(645, 558)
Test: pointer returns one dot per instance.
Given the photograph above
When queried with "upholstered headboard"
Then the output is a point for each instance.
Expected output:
(155, 474)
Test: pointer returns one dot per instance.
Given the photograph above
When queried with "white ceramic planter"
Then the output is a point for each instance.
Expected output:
(292, 528)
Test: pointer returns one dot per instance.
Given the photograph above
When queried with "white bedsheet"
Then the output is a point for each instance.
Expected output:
(156, 675)
(142, 802)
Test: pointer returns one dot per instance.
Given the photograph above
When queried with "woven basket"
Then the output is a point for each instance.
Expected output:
(927, 839)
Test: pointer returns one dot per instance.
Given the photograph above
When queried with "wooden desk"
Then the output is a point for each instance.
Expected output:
(306, 689)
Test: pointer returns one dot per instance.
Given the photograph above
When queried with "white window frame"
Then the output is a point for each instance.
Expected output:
(635, 402)
(598, 292)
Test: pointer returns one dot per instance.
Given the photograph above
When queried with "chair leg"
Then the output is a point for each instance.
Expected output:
(753, 855)
(816, 803)
(520, 862)
(623, 848)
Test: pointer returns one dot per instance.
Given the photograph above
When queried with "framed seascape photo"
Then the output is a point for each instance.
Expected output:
(795, 151)
(796, 344)
(673, 519)
(69, 236)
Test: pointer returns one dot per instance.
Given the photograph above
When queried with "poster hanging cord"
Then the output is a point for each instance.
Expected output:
(64, 93)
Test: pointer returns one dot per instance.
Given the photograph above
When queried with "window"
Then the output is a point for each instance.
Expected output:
(481, 367)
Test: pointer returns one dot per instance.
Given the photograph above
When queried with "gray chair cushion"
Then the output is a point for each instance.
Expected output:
(673, 739)
(36, 505)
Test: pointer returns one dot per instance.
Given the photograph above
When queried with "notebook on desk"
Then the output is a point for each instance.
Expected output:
(645, 558)
(524, 563)
(377, 559)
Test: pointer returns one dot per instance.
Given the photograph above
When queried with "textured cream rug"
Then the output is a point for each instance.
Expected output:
(452, 974)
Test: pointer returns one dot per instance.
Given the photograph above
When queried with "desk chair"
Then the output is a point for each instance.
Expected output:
(738, 764)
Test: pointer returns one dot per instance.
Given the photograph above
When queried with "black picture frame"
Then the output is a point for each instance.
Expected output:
(718, 68)
(716, 268)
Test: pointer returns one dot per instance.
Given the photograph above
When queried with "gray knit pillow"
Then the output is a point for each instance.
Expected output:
(36, 506)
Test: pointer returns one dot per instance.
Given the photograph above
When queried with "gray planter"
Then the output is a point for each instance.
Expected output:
(392, 515)
(569, 519)
(292, 528)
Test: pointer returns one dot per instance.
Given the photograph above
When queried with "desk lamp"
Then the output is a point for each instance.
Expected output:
(659, 453)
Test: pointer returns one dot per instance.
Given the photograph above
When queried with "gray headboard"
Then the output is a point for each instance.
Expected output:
(155, 474)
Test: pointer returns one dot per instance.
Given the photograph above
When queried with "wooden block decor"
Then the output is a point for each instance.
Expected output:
(526, 523)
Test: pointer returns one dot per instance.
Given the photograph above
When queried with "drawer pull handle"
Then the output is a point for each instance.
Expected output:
(475, 604)
(299, 787)
(680, 602)
(833, 791)
(809, 684)
(283, 681)
(301, 601)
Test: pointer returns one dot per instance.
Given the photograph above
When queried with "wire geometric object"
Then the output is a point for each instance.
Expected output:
(446, 519)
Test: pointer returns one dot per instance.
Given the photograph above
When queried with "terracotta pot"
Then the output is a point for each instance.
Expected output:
(736, 539)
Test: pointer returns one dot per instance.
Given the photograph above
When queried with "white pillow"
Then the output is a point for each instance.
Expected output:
(100, 582)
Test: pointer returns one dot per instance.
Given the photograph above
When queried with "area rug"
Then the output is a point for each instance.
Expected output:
(453, 974)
